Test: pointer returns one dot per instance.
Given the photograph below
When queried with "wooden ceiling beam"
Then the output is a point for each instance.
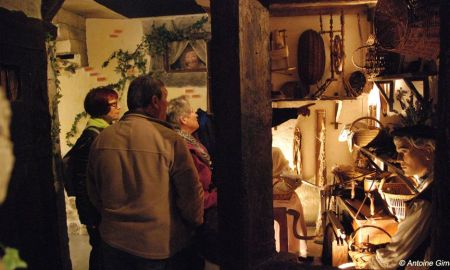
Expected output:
(322, 2)
(288, 11)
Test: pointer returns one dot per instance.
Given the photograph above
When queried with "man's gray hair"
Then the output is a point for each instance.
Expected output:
(141, 91)
(177, 108)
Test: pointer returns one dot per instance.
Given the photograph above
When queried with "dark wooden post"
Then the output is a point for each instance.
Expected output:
(242, 109)
(441, 202)
(32, 218)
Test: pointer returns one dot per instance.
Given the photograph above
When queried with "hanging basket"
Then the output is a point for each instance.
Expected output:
(409, 27)
(363, 136)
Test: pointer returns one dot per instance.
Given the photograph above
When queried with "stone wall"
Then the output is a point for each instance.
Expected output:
(31, 8)
(71, 37)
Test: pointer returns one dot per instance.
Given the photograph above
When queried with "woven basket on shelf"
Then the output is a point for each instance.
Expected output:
(283, 188)
(395, 195)
(363, 136)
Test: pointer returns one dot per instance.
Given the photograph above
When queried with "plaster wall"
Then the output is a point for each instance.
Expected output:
(296, 25)
(336, 152)
(74, 88)
(71, 36)
(31, 8)
(104, 36)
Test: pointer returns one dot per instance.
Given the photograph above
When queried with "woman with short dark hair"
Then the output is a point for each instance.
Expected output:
(103, 107)
(98, 102)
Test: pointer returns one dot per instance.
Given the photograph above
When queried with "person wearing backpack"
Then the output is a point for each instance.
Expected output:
(103, 108)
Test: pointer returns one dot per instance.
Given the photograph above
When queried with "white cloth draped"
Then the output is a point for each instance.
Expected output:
(177, 48)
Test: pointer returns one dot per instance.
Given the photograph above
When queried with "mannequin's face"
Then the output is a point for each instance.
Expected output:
(414, 161)
(191, 60)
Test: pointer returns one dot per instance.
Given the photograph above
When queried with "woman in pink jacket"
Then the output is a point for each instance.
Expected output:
(184, 119)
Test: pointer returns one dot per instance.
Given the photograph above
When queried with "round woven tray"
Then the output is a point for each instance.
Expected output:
(396, 191)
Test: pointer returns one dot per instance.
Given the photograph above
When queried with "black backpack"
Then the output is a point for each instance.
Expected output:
(68, 166)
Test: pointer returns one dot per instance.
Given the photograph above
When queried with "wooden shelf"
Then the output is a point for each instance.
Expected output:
(285, 71)
(401, 76)
(386, 86)
(295, 103)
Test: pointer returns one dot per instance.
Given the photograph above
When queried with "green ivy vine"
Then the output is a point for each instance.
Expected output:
(133, 64)
(126, 65)
(74, 129)
(55, 124)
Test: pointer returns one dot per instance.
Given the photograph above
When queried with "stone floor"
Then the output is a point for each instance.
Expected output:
(80, 248)
(79, 251)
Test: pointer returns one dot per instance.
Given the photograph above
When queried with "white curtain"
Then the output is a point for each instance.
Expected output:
(176, 50)
(199, 47)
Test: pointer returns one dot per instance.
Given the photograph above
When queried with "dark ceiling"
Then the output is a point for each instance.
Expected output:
(152, 8)
(157, 8)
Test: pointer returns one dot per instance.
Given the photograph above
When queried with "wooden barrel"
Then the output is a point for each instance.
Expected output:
(311, 57)
(409, 27)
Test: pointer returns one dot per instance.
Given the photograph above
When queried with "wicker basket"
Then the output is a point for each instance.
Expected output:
(363, 137)
(283, 188)
(395, 195)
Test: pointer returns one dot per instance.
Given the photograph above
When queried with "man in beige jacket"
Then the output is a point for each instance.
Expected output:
(142, 179)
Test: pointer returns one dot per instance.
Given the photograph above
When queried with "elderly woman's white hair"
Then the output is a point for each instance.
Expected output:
(177, 108)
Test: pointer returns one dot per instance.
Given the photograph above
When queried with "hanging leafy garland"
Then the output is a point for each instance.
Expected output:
(127, 63)
(74, 129)
(158, 39)
(55, 125)
(131, 65)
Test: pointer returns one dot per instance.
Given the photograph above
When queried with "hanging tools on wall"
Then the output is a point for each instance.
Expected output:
(337, 54)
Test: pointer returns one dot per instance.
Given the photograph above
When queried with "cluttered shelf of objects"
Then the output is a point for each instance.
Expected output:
(367, 222)
(365, 203)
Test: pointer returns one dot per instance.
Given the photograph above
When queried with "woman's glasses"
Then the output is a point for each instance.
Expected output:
(114, 104)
